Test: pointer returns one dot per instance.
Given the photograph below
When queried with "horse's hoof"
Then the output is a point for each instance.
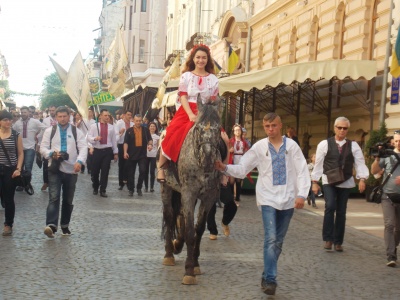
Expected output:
(189, 280)
(197, 271)
(169, 261)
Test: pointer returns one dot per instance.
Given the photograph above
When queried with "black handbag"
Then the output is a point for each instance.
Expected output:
(377, 192)
(25, 177)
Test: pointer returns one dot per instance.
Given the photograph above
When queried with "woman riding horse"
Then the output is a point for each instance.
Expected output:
(198, 79)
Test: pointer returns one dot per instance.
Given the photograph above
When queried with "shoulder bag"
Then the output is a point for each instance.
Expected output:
(377, 192)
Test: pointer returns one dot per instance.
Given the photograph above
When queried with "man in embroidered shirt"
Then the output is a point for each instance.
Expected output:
(283, 184)
(137, 141)
(64, 172)
(332, 153)
(102, 136)
(29, 129)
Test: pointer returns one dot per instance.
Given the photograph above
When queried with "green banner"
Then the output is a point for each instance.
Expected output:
(100, 98)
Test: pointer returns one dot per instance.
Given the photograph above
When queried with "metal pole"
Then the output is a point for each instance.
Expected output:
(386, 68)
(248, 43)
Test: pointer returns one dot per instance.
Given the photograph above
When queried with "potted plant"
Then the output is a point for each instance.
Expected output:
(375, 137)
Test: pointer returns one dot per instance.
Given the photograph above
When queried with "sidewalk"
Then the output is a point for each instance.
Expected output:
(361, 215)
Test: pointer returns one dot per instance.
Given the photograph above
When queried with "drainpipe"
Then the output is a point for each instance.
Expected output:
(248, 43)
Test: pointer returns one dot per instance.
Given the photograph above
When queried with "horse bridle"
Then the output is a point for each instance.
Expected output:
(196, 149)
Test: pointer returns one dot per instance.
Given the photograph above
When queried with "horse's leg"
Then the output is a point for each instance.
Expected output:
(168, 225)
(188, 204)
(180, 223)
(207, 201)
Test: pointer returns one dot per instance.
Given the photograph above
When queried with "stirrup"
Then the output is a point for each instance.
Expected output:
(161, 180)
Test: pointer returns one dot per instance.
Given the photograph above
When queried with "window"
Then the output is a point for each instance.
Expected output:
(141, 51)
(134, 7)
(130, 17)
(144, 5)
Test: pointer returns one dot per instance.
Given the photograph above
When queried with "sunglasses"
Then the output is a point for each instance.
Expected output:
(341, 128)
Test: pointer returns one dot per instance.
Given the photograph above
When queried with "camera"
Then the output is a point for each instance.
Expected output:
(381, 150)
(63, 156)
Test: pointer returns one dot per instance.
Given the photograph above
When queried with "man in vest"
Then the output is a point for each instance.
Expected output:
(66, 149)
(339, 153)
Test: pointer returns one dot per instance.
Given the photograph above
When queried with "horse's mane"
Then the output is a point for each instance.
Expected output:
(208, 113)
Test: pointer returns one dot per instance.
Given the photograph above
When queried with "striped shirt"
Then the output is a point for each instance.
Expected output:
(9, 144)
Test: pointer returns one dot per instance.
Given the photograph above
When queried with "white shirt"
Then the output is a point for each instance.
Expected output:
(359, 164)
(153, 151)
(68, 165)
(193, 85)
(95, 131)
(280, 197)
(118, 126)
(33, 129)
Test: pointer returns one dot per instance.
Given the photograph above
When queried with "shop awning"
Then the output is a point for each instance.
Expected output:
(171, 84)
(299, 72)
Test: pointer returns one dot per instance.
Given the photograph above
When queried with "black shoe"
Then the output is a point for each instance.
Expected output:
(270, 289)
(95, 192)
(103, 194)
(151, 190)
(146, 190)
(121, 187)
(130, 193)
(66, 231)
(308, 201)
(139, 192)
(19, 189)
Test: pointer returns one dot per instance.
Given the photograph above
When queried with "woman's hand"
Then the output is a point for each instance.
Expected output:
(16, 173)
(192, 117)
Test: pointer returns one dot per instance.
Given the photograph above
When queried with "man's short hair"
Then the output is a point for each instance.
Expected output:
(103, 110)
(127, 111)
(32, 107)
(52, 105)
(269, 117)
(341, 119)
(24, 107)
(138, 116)
(62, 109)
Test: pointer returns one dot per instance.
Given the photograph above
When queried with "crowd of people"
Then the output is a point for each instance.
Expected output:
(67, 145)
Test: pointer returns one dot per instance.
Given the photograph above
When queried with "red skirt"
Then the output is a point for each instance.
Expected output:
(176, 132)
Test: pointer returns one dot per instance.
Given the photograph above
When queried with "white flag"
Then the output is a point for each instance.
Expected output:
(62, 74)
(173, 72)
(116, 63)
(77, 85)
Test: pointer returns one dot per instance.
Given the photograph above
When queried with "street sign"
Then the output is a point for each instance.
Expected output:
(394, 98)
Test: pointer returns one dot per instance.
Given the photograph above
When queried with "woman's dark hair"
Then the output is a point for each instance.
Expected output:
(4, 114)
(150, 123)
(189, 64)
(76, 113)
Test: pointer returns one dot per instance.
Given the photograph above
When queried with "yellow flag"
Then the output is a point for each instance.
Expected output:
(233, 60)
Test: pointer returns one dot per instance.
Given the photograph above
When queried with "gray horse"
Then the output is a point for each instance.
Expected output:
(192, 178)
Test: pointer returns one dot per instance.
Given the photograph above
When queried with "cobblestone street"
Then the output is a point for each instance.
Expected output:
(116, 252)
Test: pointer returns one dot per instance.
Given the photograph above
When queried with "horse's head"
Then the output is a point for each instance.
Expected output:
(207, 133)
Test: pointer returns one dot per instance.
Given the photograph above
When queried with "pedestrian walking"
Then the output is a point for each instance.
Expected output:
(49, 121)
(283, 184)
(237, 148)
(65, 147)
(122, 125)
(337, 156)
(102, 136)
(137, 142)
(390, 207)
(11, 160)
(151, 163)
(29, 129)
(311, 195)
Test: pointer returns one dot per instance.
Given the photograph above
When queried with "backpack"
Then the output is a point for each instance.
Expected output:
(73, 128)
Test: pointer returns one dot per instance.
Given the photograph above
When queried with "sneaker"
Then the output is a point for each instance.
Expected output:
(213, 237)
(320, 194)
(7, 231)
(65, 231)
(391, 263)
(49, 231)
(226, 229)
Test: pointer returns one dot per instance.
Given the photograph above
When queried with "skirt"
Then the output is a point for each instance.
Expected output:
(176, 133)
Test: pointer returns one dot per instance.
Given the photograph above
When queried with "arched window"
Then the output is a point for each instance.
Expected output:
(313, 41)
(339, 31)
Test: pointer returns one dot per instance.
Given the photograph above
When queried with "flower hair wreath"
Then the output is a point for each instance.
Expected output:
(198, 46)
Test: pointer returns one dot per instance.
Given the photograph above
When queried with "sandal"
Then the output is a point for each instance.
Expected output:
(160, 175)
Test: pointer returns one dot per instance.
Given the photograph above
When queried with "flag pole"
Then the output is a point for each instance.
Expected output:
(386, 68)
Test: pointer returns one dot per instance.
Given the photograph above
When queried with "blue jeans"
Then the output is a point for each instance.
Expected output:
(335, 202)
(29, 158)
(67, 182)
(276, 223)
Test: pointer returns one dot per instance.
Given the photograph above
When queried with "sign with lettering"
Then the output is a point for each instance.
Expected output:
(394, 98)
(100, 98)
